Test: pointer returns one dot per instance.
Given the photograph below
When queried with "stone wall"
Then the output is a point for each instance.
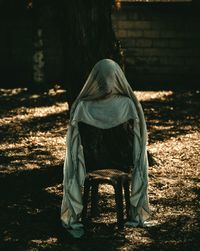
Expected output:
(161, 43)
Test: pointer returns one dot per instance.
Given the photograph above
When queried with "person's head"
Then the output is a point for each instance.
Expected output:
(105, 79)
(106, 71)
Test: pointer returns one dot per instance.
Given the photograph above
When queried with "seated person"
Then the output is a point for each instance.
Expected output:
(108, 103)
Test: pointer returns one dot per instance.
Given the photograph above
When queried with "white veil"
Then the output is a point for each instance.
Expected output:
(105, 89)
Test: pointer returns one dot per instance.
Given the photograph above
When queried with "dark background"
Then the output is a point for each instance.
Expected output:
(161, 43)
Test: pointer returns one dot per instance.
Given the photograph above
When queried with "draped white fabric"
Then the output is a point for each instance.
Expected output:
(105, 101)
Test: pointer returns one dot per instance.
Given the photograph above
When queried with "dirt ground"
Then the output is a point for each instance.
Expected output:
(32, 149)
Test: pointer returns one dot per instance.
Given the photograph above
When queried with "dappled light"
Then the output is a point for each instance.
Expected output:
(32, 150)
(32, 130)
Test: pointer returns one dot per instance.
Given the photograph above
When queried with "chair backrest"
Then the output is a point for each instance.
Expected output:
(107, 148)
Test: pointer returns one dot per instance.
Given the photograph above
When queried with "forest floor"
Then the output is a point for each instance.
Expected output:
(32, 149)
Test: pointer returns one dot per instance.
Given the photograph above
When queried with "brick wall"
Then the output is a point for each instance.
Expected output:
(161, 43)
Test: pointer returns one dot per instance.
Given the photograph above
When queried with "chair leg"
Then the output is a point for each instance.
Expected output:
(85, 198)
(94, 199)
(127, 196)
(119, 203)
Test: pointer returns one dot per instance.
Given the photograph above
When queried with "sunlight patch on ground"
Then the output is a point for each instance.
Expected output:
(150, 95)
(185, 156)
(12, 92)
(173, 178)
(57, 189)
(37, 148)
(48, 243)
(26, 114)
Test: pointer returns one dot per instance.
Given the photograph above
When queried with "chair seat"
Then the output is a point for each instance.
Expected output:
(118, 179)
(107, 174)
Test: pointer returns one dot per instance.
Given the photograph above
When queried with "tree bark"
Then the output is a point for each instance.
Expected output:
(87, 37)
(86, 34)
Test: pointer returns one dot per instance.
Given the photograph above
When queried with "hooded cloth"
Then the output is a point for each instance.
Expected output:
(105, 101)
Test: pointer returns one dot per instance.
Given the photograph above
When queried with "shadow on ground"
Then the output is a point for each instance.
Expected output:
(173, 115)
(31, 197)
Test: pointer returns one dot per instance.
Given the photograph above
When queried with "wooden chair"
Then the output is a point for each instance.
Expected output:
(118, 179)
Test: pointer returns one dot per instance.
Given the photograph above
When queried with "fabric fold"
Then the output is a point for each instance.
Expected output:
(105, 101)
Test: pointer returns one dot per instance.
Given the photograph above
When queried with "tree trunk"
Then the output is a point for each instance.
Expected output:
(87, 37)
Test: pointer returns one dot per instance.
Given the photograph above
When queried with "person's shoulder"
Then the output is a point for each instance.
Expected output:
(125, 98)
